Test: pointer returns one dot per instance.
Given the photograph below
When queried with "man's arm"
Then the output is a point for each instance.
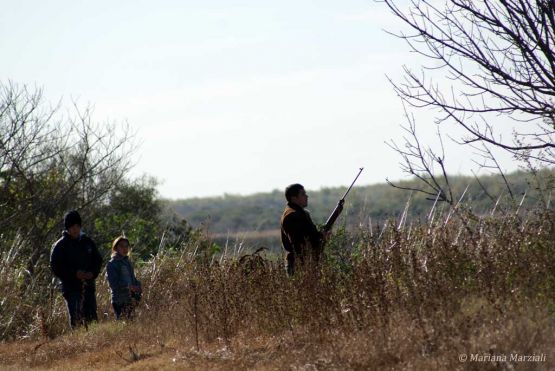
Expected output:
(297, 228)
(316, 237)
(96, 263)
(59, 265)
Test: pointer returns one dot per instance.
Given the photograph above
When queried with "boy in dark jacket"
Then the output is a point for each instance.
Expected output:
(75, 260)
(126, 289)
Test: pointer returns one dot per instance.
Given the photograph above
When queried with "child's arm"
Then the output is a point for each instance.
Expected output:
(113, 276)
(136, 282)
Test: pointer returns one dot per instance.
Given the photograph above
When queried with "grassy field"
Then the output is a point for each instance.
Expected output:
(401, 296)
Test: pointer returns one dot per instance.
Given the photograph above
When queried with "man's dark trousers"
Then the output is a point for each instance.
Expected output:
(81, 304)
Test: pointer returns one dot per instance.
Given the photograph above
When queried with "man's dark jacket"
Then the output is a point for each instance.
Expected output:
(299, 235)
(72, 255)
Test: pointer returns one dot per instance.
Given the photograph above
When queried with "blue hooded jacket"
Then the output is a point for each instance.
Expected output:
(121, 275)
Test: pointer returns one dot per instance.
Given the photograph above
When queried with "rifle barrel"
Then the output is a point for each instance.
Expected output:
(335, 214)
(352, 184)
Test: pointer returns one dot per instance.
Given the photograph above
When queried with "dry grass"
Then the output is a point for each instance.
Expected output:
(409, 297)
(248, 235)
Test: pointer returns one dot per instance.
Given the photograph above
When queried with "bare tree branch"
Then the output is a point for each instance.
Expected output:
(499, 57)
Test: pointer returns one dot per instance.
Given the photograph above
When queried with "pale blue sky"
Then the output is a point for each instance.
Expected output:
(226, 96)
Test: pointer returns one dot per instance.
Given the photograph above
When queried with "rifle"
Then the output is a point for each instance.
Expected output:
(335, 214)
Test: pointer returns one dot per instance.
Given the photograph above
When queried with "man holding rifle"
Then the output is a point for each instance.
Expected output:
(300, 238)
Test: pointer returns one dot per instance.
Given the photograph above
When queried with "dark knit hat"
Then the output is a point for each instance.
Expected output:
(72, 218)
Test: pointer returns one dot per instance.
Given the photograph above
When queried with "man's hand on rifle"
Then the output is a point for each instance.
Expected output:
(325, 235)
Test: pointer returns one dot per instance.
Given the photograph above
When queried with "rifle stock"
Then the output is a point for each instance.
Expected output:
(339, 208)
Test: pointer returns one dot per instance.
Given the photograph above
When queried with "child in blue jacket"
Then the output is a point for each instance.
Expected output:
(125, 287)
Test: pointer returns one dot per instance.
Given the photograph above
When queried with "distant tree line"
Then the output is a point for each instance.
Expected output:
(368, 204)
